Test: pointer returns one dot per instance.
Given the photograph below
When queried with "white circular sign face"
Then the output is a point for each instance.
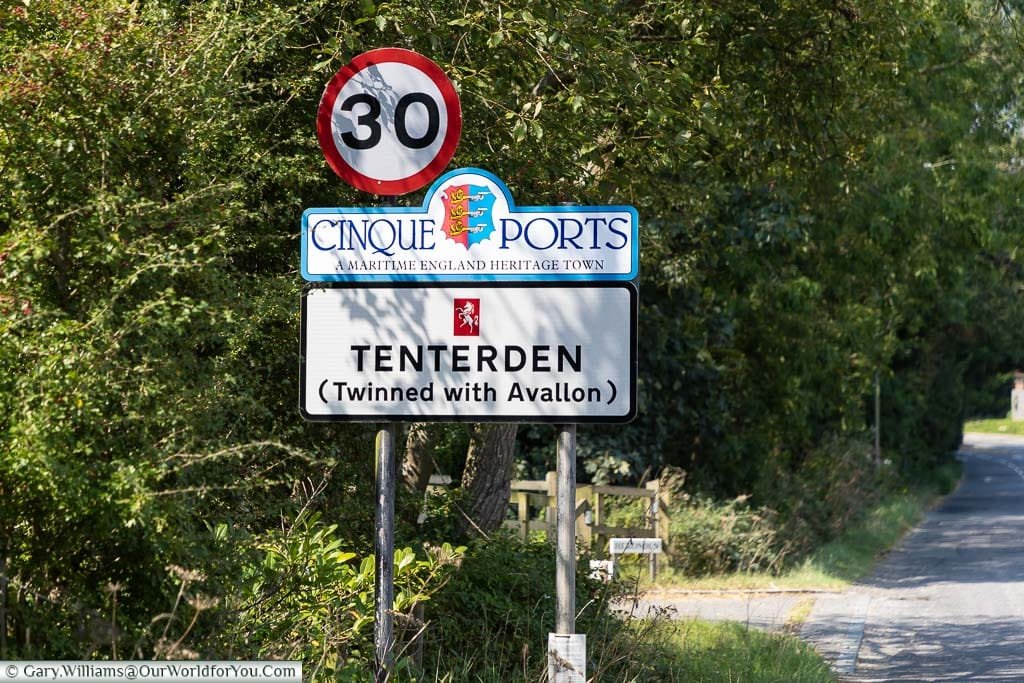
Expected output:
(389, 121)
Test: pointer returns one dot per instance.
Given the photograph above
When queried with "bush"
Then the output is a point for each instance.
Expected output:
(491, 621)
(309, 598)
(497, 610)
(809, 499)
(708, 537)
(833, 485)
(489, 624)
(947, 477)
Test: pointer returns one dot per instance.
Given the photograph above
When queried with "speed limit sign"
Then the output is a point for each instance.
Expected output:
(389, 121)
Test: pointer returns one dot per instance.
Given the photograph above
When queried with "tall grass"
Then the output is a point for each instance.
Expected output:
(664, 651)
(490, 624)
(849, 556)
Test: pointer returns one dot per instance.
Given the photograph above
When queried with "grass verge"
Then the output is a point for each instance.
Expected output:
(731, 652)
(692, 651)
(490, 622)
(1004, 426)
(705, 652)
(845, 559)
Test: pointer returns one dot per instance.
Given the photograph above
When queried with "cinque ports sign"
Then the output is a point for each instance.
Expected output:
(487, 352)
(469, 229)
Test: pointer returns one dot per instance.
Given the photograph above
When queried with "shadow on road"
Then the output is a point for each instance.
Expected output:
(941, 651)
(948, 604)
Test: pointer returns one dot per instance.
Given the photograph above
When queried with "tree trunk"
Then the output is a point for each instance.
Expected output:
(487, 479)
(415, 469)
(418, 460)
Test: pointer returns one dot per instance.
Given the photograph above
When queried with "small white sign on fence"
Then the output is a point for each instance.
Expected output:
(602, 570)
(639, 546)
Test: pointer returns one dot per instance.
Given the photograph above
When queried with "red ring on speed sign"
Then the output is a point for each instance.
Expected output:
(377, 152)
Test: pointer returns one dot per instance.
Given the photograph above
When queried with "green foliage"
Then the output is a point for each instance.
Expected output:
(489, 623)
(708, 653)
(838, 481)
(606, 458)
(827, 191)
(708, 537)
(851, 554)
(491, 620)
(498, 609)
(989, 397)
(1003, 425)
(148, 385)
(836, 485)
(308, 598)
(662, 650)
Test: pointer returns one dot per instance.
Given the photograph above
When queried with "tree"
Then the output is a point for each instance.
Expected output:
(487, 479)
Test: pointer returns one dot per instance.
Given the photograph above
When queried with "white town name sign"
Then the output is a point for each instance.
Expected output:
(483, 352)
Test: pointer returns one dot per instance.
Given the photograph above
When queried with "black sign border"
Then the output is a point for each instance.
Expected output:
(634, 300)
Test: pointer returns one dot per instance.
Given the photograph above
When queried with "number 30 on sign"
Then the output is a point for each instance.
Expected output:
(389, 121)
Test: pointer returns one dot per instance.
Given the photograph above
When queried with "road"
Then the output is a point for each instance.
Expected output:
(946, 605)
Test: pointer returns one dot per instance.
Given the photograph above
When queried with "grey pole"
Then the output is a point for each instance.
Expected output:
(565, 572)
(567, 650)
(655, 510)
(384, 552)
(878, 421)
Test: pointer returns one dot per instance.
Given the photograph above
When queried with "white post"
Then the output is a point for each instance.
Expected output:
(1017, 398)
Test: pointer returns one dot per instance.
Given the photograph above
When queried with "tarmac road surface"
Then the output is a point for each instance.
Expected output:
(948, 603)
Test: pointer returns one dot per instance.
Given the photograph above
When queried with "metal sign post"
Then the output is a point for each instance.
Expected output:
(567, 650)
(565, 570)
(384, 552)
(384, 545)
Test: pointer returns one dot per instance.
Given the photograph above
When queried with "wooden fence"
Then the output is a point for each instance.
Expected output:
(531, 497)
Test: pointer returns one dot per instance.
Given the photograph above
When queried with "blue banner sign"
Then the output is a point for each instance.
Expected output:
(469, 229)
